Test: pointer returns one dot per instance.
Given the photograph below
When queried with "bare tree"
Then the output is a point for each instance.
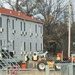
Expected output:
(52, 29)
(52, 22)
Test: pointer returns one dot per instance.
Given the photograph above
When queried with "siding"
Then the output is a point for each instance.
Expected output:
(18, 38)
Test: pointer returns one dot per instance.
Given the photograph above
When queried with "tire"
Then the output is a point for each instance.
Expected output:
(41, 66)
(57, 66)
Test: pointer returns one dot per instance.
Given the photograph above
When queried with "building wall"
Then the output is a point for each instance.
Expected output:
(73, 9)
(11, 35)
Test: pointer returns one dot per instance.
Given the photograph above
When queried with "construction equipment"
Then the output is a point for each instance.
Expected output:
(42, 62)
(56, 64)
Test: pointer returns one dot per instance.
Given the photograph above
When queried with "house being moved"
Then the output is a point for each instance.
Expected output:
(20, 33)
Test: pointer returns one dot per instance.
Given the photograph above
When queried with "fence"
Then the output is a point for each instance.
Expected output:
(68, 68)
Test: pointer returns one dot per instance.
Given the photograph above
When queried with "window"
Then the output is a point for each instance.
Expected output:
(30, 46)
(0, 22)
(41, 46)
(21, 26)
(0, 42)
(40, 29)
(24, 46)
(7, 30)
(24, 26)
(13, 44)
(35, 28)
(36, 46)
(12, 24)
(30, 28)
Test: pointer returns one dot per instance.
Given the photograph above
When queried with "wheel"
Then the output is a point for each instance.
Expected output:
(57, 66)
(41, 66)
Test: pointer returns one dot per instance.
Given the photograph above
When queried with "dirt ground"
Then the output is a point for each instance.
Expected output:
(32, 71)
(36, 72)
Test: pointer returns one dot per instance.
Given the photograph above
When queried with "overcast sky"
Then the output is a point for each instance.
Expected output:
(6, 5)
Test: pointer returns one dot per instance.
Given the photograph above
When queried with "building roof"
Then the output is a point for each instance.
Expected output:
(17, 14)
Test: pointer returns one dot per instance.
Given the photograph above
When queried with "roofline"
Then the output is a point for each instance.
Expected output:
(18, 15)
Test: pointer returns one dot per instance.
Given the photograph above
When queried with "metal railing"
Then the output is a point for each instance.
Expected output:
(7, 63)
(68, 68)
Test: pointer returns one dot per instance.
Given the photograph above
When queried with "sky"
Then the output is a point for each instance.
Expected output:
(6, 5)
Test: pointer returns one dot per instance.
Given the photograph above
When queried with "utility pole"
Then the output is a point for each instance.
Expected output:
(69, 29)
